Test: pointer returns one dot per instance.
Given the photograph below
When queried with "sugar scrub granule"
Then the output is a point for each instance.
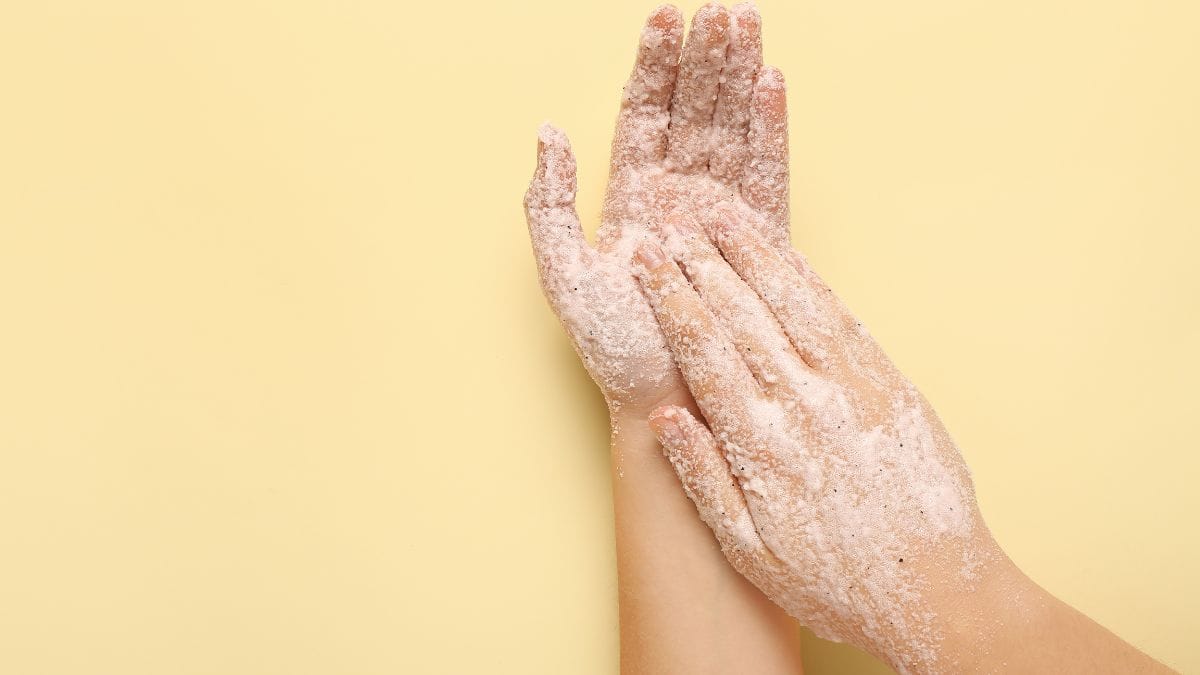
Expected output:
(845, 470)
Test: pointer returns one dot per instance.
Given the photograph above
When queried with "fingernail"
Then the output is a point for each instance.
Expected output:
(651, 255)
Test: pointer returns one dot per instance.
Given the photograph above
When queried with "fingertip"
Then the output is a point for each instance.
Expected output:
(770, 92)
(664, 412)
(747, 10)
(665, 422)
(680, 434)
(550, 136)
(719, 220)
(747, 33)
(662, 37)
(748, 20)
(723, 211)
(666, 18)
(770, 78)
(692, 248)
(650, 256)
(676, 224)
(675, 219)
(713, 19)
(554, 181)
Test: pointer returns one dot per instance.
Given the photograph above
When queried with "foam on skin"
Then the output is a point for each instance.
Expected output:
(855, 490)
(684, 142)
(823, 467)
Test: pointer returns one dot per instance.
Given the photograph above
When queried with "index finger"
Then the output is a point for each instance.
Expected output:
(719, 380)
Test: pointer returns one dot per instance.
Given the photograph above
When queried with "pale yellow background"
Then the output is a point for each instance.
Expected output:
(279, 393)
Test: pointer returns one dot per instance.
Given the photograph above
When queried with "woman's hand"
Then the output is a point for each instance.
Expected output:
(700, 123)
(829, 480)
(842, 493)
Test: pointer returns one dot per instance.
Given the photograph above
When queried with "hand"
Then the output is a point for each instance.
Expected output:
(843, 497)
(700, 124)
(829, 480)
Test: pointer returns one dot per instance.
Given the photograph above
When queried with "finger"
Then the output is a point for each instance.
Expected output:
(708, 482)
(754, 331)
(641, 135)
(765, 179)
(798, 304)
(854, 341)
(732, 116)
(718, 379)
(689, 136)
(854, 338)
(559, 246)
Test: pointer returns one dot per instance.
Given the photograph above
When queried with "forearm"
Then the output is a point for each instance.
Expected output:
(1010, 624)
(682, 607)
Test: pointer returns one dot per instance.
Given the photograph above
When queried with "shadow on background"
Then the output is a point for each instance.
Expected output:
(831, 658)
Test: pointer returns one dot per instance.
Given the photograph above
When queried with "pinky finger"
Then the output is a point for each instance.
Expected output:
(765, 180)
(697, 460)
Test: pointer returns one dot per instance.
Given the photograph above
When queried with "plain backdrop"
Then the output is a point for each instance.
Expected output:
(279, 392)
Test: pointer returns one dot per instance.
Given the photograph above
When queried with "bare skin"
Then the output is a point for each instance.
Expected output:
(684, 141)
(828, 478)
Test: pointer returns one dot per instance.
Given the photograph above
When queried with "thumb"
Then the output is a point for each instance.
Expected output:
(559, 246)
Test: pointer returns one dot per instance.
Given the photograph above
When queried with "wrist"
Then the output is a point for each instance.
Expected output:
(980, 623)
(678, 596)
(627, 426)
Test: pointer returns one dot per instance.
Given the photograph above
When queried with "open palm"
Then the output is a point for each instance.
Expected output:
(701, 124)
